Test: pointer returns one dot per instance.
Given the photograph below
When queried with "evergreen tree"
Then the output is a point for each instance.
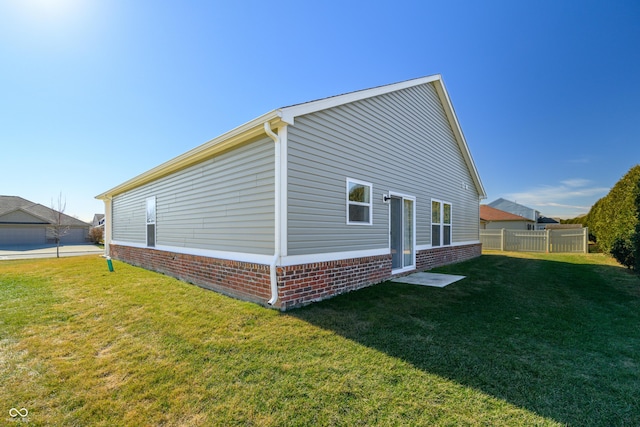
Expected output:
(615, 220)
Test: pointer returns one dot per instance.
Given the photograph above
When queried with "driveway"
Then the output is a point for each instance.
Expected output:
(47, 251)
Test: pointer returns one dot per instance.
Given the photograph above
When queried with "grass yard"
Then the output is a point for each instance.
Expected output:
(523, 340)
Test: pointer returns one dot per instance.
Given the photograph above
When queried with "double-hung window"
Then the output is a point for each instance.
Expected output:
(359, 209)
(440, 223)
(151, 221)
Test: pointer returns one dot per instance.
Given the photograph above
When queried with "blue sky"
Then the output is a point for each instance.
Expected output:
(93, 93)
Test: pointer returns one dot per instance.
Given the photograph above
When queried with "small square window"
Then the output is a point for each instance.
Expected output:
(359, 208)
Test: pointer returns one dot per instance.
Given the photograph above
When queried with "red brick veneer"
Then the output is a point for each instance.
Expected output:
(436, 257)
(297, 285)
(243, 280)
(302, 284)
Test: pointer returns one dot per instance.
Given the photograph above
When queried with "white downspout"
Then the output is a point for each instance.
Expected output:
(277, 196)
(108, 201)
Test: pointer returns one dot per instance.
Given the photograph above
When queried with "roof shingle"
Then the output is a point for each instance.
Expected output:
(488, 213)
(10, 204)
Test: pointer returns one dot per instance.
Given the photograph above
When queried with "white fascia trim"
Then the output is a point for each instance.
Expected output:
(288, 114)
(209, 253)
(426, 247)
(331, 256)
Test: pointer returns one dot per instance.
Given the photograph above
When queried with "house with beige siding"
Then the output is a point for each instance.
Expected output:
(309, 201)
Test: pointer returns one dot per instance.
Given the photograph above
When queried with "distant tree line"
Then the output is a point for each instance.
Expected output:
(577, 220)
(614, 220)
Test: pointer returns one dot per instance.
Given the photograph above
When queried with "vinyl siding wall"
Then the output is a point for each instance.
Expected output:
(399, 142)
(225, 203)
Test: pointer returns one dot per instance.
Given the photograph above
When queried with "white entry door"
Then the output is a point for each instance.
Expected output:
(402, 232)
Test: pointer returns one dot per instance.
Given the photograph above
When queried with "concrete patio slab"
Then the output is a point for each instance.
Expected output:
(437, 280)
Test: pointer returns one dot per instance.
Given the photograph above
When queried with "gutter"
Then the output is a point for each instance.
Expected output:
(202, 152)
(108, 221)
(277, 195)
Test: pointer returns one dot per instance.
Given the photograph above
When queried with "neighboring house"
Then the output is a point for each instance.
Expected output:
(524, 211)
(544, 222)
(26, 223)
(309, 201)
(495, 219)
(98, 220)
(516, 209)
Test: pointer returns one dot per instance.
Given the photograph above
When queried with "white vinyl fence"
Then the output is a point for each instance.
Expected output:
(561, 240)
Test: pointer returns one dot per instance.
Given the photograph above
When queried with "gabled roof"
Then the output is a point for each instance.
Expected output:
(547, 220)
(488, 213)
(286, 116)
(9, 204)
(515, 208)
(98, 220)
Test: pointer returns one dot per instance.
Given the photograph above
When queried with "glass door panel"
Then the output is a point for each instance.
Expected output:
(408, 233)
(402, 224)
(396, 233)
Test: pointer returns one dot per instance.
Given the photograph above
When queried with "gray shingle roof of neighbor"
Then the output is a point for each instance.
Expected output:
(547, 220)
(10, 204)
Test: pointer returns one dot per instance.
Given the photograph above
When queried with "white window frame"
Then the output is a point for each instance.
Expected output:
(369, 204)
(441, 223)
(150, 220)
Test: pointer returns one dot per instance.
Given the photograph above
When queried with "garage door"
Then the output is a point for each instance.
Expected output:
(74, 236)
(14, 235)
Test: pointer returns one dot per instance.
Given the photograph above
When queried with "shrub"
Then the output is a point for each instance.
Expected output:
(96, 234)
(624, 252)
(614, 220)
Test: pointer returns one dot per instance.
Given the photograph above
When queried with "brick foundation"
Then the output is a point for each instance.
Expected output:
(302, 284)
(297, 285)
(436, 257)
(243, 280)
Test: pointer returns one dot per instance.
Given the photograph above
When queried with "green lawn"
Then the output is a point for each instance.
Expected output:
(523, 340)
